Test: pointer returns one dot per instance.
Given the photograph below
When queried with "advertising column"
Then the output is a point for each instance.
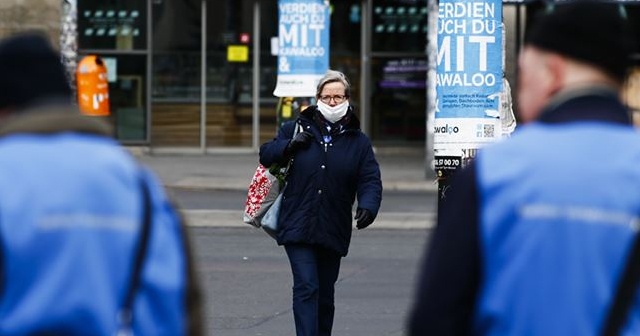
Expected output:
(303, 46)
(468, 83)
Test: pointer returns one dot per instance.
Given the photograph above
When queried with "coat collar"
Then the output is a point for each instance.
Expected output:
(596, 103)
(54, 119)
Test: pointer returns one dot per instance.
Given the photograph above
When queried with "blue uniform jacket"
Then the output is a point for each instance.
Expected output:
(533, 236)
(70, 219)
(323, 182)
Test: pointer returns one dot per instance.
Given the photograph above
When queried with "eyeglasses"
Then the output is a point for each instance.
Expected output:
(336, 99)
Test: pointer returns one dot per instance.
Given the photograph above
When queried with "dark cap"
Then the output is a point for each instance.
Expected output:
(30, 71)
(594, 32)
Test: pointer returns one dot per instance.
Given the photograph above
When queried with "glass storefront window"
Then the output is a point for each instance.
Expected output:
(346, 16)
(120, 24)
(117, 29)
(399, 25)
(127, 83)
(229, 101)
(176, 76)
(229, 80)
(398, 99)
(176, 86)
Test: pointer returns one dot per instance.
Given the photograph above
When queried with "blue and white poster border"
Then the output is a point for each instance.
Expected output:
(303, 46)
(469, 75)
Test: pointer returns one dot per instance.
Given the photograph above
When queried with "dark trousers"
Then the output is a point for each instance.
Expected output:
(315, 272)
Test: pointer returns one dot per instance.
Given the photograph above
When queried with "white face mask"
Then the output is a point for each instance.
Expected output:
(334, 113)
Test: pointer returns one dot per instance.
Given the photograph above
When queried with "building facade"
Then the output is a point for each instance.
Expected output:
(21, 15)
(172, 82)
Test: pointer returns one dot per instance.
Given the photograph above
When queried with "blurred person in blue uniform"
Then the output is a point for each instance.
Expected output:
(534, 235)
(90, 244)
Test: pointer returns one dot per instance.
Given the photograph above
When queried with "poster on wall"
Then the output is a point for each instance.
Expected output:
(303, 50)
(469, 78)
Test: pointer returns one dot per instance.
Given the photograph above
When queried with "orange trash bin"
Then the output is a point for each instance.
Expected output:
(92, 86)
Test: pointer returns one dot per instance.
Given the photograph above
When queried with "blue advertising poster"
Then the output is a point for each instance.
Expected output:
(469, 63)
(303, 48)
(470, 95)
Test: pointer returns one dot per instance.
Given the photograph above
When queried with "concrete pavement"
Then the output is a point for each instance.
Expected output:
(402, 169)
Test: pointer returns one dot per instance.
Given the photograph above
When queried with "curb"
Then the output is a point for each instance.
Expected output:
(205, 183)
(233, 219)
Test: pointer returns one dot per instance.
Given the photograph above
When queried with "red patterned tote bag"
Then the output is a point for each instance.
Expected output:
(263, 191)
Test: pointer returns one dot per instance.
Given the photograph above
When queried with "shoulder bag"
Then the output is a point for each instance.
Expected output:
(264, 194)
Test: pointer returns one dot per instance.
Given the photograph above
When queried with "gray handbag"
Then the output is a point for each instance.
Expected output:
(270, 219)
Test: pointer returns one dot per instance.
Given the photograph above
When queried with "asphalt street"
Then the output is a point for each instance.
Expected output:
(246, 282)
(245, 276)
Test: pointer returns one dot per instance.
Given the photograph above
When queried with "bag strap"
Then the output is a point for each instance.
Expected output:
(296, 129)
(125, 315)
(625, 292)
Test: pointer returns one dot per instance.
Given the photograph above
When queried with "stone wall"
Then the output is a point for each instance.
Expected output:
(21, 15)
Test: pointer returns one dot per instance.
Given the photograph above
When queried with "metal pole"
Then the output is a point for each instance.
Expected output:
(432, 55)
(149, 71)
(365, 29)
(518, 34)
(255, 142)
(203, 79)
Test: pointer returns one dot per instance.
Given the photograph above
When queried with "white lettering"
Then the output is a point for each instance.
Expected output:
(288, 36)
(444, 52)
(294, 19)
(468, 9)
(584, 214)
(317, 29)
(302, 51)
(483, 26)
(301, 8)
(460, 53)
(482, 53)
(452, 27)
(456, 79)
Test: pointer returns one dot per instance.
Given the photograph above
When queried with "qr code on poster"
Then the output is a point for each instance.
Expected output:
(485, 130)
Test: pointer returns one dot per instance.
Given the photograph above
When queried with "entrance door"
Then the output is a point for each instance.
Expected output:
(176, 73)
(195, 40)
(398, 71)
(229, 73)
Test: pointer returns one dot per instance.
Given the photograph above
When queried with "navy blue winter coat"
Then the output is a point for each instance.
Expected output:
(323, 182)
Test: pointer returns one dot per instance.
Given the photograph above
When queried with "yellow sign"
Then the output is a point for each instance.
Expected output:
(287, 108)
(238, 53)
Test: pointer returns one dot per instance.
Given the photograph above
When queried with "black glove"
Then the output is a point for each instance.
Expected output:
(364, 218)
(300, 141)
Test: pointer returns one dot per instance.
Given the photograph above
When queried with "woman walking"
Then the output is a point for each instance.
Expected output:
(333, 165)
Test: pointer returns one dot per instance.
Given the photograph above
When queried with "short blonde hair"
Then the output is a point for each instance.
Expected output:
(333, 76)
